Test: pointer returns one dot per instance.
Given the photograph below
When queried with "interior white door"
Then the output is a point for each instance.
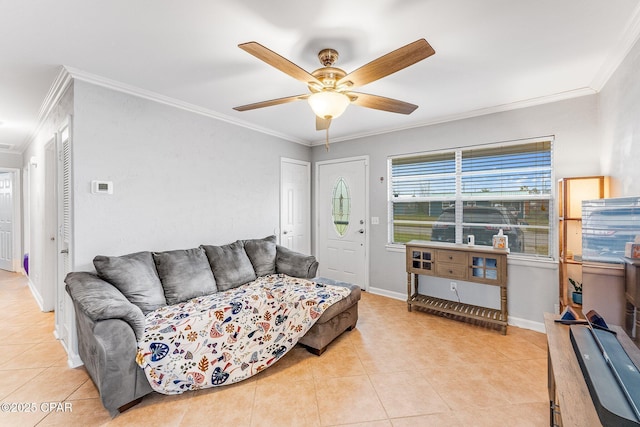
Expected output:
(341, 205)
(295, 205)
(6, 221)
(50, 252)
(64, 312)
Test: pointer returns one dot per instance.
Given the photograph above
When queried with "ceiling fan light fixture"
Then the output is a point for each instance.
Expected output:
(328, 104)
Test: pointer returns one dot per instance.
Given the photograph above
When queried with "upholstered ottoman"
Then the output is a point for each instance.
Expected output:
(341, 316)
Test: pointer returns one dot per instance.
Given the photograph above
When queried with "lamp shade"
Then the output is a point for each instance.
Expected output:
(328, 105)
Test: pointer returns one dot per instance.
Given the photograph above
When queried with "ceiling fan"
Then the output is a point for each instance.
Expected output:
(331, 87)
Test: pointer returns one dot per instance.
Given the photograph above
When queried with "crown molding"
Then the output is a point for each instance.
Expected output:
(162, 99)
(576, 93)
(629, 38)
(68, 74)
(58, 88)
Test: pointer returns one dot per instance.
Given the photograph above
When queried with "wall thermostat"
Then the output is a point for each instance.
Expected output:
(101, 187)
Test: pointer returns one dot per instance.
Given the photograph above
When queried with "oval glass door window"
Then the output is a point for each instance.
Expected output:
(341, 207)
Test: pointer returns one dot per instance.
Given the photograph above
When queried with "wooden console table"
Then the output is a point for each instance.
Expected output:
(479, 264)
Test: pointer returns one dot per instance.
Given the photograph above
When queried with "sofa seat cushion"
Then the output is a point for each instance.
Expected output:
(342, 305)
(135, 276)
(184, 274)
(262, 254)
(223, 338)
(230, 265)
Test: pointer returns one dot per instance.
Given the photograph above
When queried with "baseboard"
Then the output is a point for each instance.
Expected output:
(73, 359)
(527, 324)
(390, 294)
(513, 321)
(36, 294)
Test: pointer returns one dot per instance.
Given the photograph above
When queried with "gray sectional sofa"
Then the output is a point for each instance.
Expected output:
(111, 304)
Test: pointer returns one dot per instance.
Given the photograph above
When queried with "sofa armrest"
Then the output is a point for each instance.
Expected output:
(108, 350)
(295, 264)
(100, 300)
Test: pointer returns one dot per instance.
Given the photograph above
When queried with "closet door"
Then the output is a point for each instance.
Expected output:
(65, 315)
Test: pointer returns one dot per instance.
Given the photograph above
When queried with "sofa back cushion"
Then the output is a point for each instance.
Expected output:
(135, 276)
(184, 274)
(262, 254)
(230, 265)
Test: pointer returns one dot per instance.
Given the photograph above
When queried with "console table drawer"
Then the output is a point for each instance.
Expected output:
(453, 271)
(452, 257)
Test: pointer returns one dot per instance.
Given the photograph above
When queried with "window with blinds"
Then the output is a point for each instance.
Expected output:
(477, 191)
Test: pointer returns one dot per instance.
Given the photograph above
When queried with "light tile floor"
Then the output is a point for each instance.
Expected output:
(395, 369)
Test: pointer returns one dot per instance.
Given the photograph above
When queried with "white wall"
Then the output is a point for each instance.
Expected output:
(11, 160)
(180, 179)
(533, 286)
(620, 118)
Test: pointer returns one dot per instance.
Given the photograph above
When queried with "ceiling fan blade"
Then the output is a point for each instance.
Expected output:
(279, 62)
(381, 103)
(322, 124)
(388, 64)
(271, 102)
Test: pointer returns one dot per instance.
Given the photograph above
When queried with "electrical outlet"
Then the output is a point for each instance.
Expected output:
(454, 286)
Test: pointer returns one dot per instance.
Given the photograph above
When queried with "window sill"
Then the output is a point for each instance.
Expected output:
(394, 247)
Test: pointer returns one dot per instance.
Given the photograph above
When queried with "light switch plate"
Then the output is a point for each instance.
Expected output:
(375, 220)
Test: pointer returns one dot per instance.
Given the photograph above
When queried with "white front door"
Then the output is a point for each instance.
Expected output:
(341, 206)
(6, 221)
(295, 205)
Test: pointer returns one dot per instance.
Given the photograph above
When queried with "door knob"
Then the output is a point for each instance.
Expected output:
(361, 231)
(64, 251)
(284, 232)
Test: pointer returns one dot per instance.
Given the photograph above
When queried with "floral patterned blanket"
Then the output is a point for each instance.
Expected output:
(228, 336)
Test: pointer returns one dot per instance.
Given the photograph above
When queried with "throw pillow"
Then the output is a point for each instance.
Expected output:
(135, 276)
(230, 265)
(184, 274)
(262, 254)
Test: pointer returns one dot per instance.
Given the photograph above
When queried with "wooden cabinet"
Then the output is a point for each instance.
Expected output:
(570, 401)
(569, 398)
(479, 264)
(632, 296)
(571, 193)
(420, 260)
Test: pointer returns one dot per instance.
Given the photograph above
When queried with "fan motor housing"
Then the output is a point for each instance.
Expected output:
(328, 76)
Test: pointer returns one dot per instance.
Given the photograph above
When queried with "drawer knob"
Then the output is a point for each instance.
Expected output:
(450, 271)
(450, 257)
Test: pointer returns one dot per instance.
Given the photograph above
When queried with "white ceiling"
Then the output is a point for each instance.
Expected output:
(491, 55)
